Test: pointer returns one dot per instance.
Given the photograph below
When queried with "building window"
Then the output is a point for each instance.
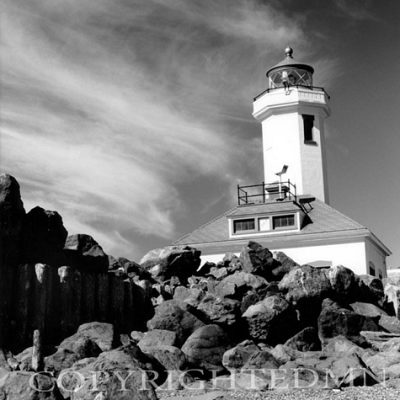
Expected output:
(244, 225)
(371, 268)
(283, 221)
(308, 125)
(264, 224)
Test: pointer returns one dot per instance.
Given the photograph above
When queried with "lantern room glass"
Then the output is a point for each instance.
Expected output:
(294, 76)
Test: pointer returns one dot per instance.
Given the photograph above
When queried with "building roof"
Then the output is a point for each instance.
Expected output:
(289, 61)
(326, 222)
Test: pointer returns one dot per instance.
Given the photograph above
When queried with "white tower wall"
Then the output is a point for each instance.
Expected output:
(281, 115)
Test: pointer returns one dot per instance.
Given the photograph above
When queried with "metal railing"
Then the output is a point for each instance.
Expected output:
(317, 88)
(266, 192)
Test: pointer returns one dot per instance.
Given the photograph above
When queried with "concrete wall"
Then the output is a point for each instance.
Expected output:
(351, 255)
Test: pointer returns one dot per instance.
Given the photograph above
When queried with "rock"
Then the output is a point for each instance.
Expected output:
(12, 215)
(84, 253)
(73, 351)
(213, 310)
(157, 337)
(181, 261)
(343, 283)
(382, 341)
(22, 385)
(370, 290)
(272, 320)
(346, 369)
(385, 364)
(170, 316)
(340, 344)
(236, 285)
(261, 359)
(389, 324)
(392, 292)
(257, 260)
(218, 272)
(285, 265)
(305, 283)
(284, 354)
(191, 296)
(367, 309)
(335, 320)
(204, 269)
(305, 340)
(137, 336)
(44, 237)
(100, 333)
(237, 357)
(127, 362)
(205, 347)
(170, 357)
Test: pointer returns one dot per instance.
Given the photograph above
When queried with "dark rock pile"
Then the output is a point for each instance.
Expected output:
(254, 321)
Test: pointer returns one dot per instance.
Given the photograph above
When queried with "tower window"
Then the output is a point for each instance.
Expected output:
(244, 225)
(283, 221)
(308, 125)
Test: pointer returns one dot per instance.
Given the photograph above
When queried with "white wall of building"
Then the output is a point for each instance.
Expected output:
(375, 256)
(350, 255)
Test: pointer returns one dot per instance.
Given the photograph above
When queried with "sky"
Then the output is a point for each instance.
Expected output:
(132, 118)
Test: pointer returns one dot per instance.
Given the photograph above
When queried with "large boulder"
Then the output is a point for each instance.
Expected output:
(44, 237)
(236, 285)
(335, 320)
(284, 265)
(305, 283)
(258, 260)
(305, 288)
(272, 320)
(84, 253)
(111, 367)
(367, 309)
(385, 364)
(73, 351)
(390, 324)
(392, 293)
(171, 316)
(261, 359)
(214, 310)
(305, 340)
(12, 215)
(205, 347)
(180, 261)
(157, 337)
(236, 357)
(370, 290)
(343, 282)
(24, 385)
(101, 333)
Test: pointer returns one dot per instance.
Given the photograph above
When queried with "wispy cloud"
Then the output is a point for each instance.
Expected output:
(109, 105)
(357, 10)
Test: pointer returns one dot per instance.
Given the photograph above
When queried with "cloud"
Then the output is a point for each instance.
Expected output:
(359, 11)
(110, 105)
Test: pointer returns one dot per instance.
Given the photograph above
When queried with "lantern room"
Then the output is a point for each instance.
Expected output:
(290, 73)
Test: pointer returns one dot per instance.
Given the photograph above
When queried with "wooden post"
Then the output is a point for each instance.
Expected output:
(37, 354)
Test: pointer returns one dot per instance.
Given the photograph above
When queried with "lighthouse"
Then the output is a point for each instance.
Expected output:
(289, 212)
(292, 113)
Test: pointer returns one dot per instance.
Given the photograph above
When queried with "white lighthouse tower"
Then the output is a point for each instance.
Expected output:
(292, 113)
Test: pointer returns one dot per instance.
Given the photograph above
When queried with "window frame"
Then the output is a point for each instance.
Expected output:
(308, 128)
(241, 220)
(284, 227)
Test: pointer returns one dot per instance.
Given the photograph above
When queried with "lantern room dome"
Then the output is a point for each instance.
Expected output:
(290, 72)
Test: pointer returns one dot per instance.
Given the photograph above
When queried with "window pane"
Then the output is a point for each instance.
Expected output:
(243, 225)
(308, 124)
(264, 224)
